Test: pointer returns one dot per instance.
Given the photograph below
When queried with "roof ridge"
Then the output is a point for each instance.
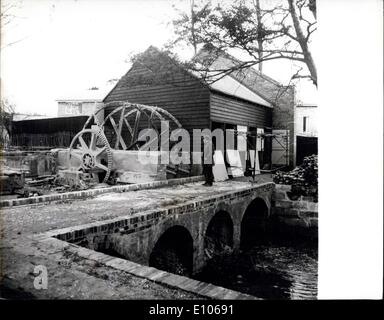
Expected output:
(231, 57)
(163, 54)
(253, 74)
(253, 89)
(175, 62)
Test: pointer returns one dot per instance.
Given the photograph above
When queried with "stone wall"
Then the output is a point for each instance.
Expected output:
(294, 218)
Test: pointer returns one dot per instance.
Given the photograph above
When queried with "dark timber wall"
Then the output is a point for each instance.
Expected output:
(240, 112)
(155, 79)
(46, 133)
(169, 88)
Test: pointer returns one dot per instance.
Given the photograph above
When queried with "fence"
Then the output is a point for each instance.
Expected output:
(46, 133)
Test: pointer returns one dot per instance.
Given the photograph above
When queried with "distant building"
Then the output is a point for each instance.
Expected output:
(306, 131)
(81, 103)
(32, 131)
(306, 120)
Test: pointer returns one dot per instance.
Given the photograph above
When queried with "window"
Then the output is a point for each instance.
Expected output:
(305, 123)
(73, 108)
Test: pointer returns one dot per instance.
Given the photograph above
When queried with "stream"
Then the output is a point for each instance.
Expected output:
(270, 271)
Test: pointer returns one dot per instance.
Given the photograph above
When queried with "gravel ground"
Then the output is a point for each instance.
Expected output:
(71, 277)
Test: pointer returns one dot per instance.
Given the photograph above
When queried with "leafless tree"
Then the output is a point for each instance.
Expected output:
(7, 110)
(8, 18)
(264, 30)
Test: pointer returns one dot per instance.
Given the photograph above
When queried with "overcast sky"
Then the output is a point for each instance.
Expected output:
(70, 45)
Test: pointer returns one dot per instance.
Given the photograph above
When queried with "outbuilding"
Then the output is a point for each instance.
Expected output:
(243, 101)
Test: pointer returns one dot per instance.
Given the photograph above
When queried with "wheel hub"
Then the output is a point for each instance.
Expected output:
(88, 161)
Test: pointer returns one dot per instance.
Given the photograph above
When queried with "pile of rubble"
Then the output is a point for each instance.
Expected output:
(48, 184)
(303, 179)
(11, 181)
(15, 184)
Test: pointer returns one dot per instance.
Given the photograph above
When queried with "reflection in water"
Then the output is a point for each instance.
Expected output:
(270, 271)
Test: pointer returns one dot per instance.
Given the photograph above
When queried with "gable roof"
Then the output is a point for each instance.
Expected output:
(229, 85)
(259, 83)
(248, 83)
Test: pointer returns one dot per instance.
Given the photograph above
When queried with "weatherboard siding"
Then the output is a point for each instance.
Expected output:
(235, 111)
(157, 82)
(183, 96)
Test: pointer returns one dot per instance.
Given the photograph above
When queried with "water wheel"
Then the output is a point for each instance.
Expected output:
(92, 153)
(122, 121)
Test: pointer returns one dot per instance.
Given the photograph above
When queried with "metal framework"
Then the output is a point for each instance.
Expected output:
(274, 137)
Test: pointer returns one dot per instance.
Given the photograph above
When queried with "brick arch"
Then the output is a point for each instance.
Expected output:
(253, 223)
(170, 222)
(219, 232)
(264, 197)
(173, 251)
(223, 206)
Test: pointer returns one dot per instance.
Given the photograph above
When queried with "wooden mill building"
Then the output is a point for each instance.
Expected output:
(242, 100)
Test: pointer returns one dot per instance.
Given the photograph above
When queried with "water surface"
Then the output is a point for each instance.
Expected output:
(268, 271)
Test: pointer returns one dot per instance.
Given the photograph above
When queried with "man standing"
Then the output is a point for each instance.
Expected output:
(207, 161)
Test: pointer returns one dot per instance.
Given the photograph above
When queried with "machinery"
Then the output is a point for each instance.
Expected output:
(106, 149)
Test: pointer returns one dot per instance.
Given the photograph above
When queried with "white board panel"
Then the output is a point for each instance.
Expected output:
(253, 162)
(260, 140)
(234, 160)
(219, 169)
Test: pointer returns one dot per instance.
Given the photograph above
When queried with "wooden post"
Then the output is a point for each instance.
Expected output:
(254, 159)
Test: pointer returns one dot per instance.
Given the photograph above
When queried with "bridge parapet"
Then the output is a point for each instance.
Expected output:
(135, 237)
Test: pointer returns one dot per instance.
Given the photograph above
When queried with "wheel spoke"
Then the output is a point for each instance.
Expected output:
(101, 166)
(118, 137)
(99, 151)
(83, 144)
(92, 145)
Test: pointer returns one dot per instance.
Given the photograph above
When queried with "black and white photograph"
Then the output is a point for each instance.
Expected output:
(188, 150)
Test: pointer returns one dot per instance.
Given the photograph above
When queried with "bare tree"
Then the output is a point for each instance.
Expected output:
(264, 31)
(260, 40)
(189, 24)
(8, 17)
(7, 110)
(301, 38)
